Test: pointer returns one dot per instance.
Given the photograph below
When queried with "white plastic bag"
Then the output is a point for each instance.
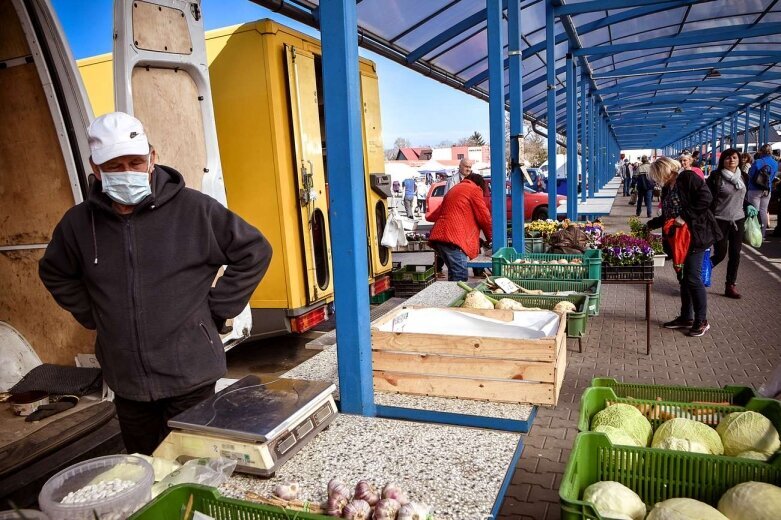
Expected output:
(209, 472)
(394, 234)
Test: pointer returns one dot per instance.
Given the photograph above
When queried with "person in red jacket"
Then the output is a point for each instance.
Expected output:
(457, 225)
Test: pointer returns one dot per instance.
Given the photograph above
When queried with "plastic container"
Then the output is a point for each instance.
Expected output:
(534, 244)
(413, 273)
(589, 268)
(576, 321)
(93, 471)
(655, 475)
(381, 298)
(591, 288)
(172, 502)
(739, 395)
(629, 273)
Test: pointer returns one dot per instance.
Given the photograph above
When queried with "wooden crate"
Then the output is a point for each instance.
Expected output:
(469, 367)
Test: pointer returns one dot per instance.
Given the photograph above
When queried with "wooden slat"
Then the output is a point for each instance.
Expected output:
(469, 346)
(161, 29)
(465, 388)
(561, 366)
(166, 102)
(432, 364)
(13, 44)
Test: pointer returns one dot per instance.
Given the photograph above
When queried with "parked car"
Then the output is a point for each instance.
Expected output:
(535, 202)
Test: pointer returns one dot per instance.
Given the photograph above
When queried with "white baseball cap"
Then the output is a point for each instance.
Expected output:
(114, 135)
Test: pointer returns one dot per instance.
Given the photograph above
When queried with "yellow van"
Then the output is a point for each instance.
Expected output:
(268, 105)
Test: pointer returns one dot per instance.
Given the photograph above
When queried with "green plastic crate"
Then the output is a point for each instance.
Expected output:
(534, 244)
(576, 321)
(413, 273)
(589, 268)
(592, 288)
(382, 297)
(172, 502)
(739, 395)
(595, 399)
(655, 475)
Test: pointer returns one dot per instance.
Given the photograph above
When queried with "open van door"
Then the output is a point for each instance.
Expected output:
(161, 77)
(44, 115)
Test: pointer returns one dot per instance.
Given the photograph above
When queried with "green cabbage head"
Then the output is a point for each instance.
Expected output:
(617, 436)
(684, 509)
(748, 431)
(676, 444)
(615, 500)
(751, 501)
(627, 418)
(753, 455)
(693, 431)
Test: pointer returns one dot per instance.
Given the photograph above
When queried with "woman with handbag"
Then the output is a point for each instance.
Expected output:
(729, 193)
(645, 187)
(760, 180)
(686, 202)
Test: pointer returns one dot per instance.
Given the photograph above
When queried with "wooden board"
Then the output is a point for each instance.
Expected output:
(469, 346)
(34, 183)
(166, 102)
(433, 364)
(26, 304)
(160, 28)
(503, 391)
(13, 44)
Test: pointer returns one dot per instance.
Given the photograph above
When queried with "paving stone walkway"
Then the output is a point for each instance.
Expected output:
(743, 345)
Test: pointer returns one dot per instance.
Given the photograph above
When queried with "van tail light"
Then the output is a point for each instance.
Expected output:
(380, 286)
(303, 323)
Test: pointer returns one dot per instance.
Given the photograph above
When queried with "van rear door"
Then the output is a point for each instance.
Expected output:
(161, 77)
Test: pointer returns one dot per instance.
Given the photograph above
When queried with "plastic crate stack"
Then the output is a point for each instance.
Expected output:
(657, 474)
(410, 279)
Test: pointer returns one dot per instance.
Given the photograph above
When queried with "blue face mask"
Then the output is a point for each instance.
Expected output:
(128, 187)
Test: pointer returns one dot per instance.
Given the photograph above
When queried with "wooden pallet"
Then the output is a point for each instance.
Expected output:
(469, 367)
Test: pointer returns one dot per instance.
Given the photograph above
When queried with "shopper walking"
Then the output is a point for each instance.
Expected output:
(457, 225)
(626, 176)
(687, 163)
(644, 186)
(760, 181)
(686, 201)
(422, 192)
(745, 166)
(410, 190)
(729, 193)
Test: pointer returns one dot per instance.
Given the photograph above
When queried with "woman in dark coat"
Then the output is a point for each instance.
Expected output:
(686, 200)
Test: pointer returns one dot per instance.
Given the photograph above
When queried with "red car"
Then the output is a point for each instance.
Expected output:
(535, 204)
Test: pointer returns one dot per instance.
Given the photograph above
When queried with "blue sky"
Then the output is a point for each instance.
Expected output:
(413, 106)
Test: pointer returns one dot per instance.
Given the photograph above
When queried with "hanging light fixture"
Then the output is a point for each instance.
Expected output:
(713, 73)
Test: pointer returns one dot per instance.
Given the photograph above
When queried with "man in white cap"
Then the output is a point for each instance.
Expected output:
(136, 261)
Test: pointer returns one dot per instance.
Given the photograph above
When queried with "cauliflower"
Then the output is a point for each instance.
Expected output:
(477, 300)
(510, 305)
(565, 306)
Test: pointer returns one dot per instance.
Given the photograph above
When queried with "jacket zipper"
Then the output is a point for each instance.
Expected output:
(206, 332)
(134, 297)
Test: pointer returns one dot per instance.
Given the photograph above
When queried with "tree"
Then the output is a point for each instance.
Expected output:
(535, 149)
(447, 143)
(401, 142)
(476, 139)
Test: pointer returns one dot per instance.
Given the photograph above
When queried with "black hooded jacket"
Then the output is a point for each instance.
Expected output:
(144, 281)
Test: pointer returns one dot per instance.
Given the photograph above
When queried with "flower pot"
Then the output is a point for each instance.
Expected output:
(659, 260)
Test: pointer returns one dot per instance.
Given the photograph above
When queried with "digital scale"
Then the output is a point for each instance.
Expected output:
(260, 425)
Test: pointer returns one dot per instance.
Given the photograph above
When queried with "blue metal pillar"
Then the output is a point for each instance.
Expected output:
(597, 144)
(733, 130)
(572, 141)
(761, 128)
(713, 147)
(592, 179)
(583, 137)
(516, 121)
(496, 113)
(766, 128)
(745, 132)
(347, 208)
(721, 137)
(550, 65)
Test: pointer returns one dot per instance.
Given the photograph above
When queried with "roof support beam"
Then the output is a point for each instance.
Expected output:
(496, 122)
(675, 85)
(516, 123)
(550, 65)
(604, 5)
(735, 32)
(680, 70)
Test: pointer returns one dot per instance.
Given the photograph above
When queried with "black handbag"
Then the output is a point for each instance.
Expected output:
(762, 177)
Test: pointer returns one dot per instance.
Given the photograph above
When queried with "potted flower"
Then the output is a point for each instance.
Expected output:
(537, 232)
(625, 257)
(639, 230)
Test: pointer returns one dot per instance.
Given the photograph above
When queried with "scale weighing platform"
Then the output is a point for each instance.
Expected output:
(260, 425)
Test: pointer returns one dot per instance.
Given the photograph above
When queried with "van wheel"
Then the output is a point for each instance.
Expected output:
(540, 213)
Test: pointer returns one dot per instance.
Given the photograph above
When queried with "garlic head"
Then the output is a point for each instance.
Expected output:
(386, 509)
(357, 510)
(394, 491)
(365, 490)
(413, 511)
(335, 505)
(338, 488)
(286, 490)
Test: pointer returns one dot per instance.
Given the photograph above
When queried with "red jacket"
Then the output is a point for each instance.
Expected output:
(461, 217)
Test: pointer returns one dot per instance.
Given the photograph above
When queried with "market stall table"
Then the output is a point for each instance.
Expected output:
(462, 473)
(648, 289)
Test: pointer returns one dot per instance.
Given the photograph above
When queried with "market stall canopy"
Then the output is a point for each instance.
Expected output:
(661, 70)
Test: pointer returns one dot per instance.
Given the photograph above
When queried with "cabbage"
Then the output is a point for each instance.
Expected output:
(695, 432)
(684, 509)
(748, 431)
(627, 418)
(617, 436)
(753, 455)
(676, 444)
(752, 501)
(615, 500)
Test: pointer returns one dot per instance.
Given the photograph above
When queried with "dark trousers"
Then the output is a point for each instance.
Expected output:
(730, 247)
(144, 424)
(694, 299)
(455, 259)
(646, 196)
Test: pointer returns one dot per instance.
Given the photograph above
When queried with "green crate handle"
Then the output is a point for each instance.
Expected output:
(733, 394)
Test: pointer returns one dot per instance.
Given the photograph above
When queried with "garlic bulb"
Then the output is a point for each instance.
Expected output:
(286, 490)
(357, 510)
(386, 509)
(365, 490)
(413, 511)
(335, 505)
(394, 491)
(338, 488)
